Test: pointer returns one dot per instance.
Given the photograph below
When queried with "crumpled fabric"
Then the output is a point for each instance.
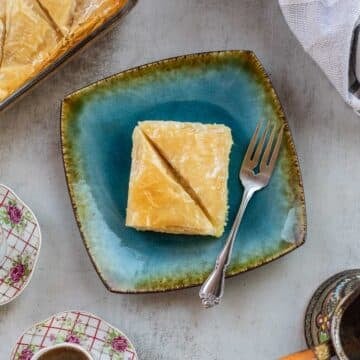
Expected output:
(325, 28)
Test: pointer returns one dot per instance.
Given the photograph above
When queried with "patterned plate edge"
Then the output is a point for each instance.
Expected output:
(86, 313)
(26, 283)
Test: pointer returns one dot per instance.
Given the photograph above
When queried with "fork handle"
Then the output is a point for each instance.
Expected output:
(212, 289)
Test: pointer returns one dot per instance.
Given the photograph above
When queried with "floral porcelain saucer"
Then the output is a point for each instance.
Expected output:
(20, 242)
(102, 340)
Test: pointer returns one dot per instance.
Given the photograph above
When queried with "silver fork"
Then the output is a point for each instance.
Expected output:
(212, 289)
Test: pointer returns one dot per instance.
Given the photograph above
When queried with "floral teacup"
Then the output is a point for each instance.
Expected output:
(96, 337)
(63, 351)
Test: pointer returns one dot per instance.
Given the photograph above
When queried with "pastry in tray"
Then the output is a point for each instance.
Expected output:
(178, 180)
(34, 33)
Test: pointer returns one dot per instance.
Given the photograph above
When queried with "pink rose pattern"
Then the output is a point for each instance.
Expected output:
(116, 343)
(119, 344)
(14, 213)
(26, 354)
(17, 272)
(73, 339)
(13, 216)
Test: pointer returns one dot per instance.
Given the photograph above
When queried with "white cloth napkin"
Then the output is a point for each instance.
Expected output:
(325, 29)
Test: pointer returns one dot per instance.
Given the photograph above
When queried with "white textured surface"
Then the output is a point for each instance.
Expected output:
(262, 314)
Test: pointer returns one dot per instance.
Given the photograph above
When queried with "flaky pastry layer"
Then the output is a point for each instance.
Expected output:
(34, 33)
(197, 158)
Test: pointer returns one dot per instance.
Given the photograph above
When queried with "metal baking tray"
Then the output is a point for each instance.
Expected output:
(67, 55)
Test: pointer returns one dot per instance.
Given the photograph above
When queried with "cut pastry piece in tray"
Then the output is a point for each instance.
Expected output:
(30, 37)
(29, 40)
(39, 33)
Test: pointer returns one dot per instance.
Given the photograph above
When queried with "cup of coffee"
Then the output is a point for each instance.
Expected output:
(345, 333)
(63, 351)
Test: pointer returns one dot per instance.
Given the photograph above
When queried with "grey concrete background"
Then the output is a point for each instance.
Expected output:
(262, 314)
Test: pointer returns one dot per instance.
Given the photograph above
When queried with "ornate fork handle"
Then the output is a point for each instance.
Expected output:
(212, 289)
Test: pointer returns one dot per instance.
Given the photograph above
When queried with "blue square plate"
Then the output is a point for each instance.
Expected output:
(229, 87)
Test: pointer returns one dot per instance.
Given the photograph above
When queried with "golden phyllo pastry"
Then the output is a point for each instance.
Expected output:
(197, 157)
(156, 201)
(88, 13)
(2, 27)
(29, 39)
(63, 16)
(74, 16)
(3, 93)
(34, 33)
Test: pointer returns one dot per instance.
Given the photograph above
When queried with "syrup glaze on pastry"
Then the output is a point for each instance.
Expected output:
(34, 33)
(156, 201)
(197, 158)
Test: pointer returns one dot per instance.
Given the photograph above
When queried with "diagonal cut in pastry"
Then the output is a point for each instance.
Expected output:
(30, 37)
(62, 14)
(199, 154)
(156, 201)
(36, 32)
(75, 15)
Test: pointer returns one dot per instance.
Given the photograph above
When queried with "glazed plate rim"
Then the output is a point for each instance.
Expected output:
(155, 64)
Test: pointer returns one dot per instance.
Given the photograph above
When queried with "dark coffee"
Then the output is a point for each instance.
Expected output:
(63, 354)
(350, 330)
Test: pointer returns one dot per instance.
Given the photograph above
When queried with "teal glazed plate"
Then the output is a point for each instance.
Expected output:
(228, 87)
